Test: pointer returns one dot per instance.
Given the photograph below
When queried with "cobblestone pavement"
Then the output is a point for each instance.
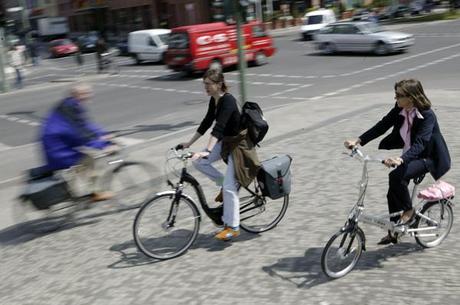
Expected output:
(96, 261)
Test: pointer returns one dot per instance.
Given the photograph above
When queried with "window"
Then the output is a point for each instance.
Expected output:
(258, 31)
(178, 41)
(151, 42)
(315, 19)
(164, 38)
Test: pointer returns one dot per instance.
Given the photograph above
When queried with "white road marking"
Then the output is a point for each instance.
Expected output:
(4, 147)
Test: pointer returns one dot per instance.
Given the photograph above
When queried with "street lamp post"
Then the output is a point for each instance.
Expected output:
(3, 80)
(237, 8)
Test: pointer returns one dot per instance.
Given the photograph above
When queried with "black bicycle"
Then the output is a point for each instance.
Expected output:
(167, 224)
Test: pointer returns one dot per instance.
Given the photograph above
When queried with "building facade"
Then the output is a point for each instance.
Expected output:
(121, 16)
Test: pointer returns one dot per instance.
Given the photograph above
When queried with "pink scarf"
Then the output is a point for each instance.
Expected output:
(405, 130)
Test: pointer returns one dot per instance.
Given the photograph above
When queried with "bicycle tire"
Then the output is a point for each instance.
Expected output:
(165, 239)
(433, 210)
(29, 219)
(132, 182)
(259, 214)
(349, 236)
(114, 68)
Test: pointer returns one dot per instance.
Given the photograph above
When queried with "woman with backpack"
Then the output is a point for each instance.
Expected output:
(226, 141)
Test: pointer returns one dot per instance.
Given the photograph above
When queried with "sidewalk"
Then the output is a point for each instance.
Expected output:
(96, 261)
(303, 117)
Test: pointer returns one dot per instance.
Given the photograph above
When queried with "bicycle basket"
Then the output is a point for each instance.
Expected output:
(274, 176)
(46, 192)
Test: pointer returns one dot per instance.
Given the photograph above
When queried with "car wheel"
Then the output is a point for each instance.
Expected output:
(137, 59)
(215, 65)
(328, 48)
(260, 59)
(381, 48)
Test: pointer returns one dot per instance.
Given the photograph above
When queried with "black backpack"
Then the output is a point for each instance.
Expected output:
(252, 119)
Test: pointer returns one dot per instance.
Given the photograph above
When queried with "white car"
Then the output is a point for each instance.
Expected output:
(361, 37)
(316, 20)
(148, 45)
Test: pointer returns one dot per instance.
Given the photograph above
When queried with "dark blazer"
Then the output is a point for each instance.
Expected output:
(427, 141)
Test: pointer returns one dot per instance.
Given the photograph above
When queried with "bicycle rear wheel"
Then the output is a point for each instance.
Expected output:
(114, 68)
(259, 214)
(132, 182)
(342, 252)
(31, 220)
(436, 222)
(166, 226)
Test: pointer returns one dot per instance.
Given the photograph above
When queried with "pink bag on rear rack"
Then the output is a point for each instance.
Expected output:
(439, 190)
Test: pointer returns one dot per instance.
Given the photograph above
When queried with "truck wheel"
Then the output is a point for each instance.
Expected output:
(215, 65)
(137, 59)
(260, 59)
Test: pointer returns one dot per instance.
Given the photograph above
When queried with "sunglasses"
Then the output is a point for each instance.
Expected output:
(398, 95)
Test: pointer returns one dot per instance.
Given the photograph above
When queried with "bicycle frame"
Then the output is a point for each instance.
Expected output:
(187, 177)
(357, 213)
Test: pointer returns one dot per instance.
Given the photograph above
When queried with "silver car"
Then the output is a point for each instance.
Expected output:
(360, 37)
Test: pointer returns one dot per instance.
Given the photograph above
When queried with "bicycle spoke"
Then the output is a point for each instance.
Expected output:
(165, 228)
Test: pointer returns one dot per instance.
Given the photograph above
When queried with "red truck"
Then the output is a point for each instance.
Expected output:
(214, 45)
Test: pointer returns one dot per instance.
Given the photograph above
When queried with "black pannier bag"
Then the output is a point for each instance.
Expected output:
(252, 119)
(46, 191)
(274, 176)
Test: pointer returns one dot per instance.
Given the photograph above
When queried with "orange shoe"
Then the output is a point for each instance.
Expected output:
(101, 196)
(227, 234)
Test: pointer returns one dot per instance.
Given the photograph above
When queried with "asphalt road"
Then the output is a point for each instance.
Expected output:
(93, 260)
(149, 101)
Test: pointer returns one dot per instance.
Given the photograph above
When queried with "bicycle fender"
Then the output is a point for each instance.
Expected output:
(187, 197)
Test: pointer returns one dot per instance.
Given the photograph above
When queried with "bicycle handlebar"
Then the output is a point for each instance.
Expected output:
(184, 156)
(355, 151)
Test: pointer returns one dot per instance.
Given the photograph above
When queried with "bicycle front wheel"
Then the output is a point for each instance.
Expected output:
(259, 214)
(434, 224)
(166, 226)
(342, 252)
(131, 182)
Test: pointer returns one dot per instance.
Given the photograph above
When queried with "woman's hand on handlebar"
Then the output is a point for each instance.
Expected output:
(393, 162)
(201, 154)
(350, 144)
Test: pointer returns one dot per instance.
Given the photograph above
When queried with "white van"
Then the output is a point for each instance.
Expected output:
(148, 45)
(316, 20)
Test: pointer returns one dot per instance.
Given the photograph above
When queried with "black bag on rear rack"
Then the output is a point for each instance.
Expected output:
(45, 190)
(274, 176)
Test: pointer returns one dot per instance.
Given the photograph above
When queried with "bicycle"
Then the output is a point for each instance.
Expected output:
(167, 224)
(130, 181)
(431, 224)
(109, 64)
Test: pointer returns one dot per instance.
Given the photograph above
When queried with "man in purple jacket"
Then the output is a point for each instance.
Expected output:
(67, 129)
